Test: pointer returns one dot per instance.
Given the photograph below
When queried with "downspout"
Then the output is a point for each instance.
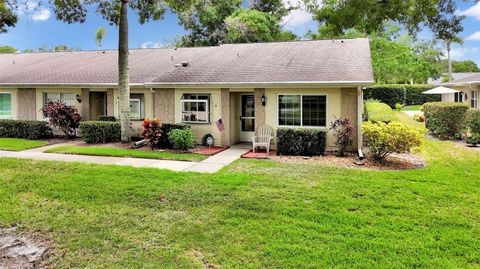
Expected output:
(359, 122)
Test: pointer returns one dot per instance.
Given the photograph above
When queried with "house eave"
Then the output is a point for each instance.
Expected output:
(293, 84)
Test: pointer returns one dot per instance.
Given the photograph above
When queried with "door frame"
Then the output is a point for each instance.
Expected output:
(91, 102)
(245, 136)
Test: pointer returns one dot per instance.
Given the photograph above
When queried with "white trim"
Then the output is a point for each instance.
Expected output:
(6, 117)
(301, 111)
(207, 111)
(472, 99)
(359, 120)
(243, 134)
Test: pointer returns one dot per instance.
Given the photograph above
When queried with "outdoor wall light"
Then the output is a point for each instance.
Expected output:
(263, 100)
(79, 98)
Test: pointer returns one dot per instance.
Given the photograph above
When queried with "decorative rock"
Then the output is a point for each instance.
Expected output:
(18, 251)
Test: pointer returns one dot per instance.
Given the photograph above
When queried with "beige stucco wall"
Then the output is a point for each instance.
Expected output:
(334, 108)
(201, 129)
(466, 89)
(148, 95)
(15, 107)
(349, 110)
(164, 105)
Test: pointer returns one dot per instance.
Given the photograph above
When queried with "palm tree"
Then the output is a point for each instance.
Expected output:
(123, 81)
(448, 44)
(99, 34)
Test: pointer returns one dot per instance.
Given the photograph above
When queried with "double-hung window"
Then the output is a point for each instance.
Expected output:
(302, 110)
(137, 106)
(196, 108)
(474, 99)
(68, 99)
(5, 105)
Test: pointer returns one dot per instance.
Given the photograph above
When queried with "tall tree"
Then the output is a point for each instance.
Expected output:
(7, 49)
(99, 35)
(462, 66)
(251, 25)
(368, 16)
(448, 29)
(8, 18)
(60, 48)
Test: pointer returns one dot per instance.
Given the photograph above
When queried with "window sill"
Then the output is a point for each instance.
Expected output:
(303, 127)
(196, 122)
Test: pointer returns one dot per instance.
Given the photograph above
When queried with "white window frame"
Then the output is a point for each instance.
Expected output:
(460, 98)
(44, 95)
(474, 99)
(301, 110)
(207, 107)
(139, 108)
(11, 105)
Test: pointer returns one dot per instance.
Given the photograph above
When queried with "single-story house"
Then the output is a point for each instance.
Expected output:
(302, 84)
(468, 87)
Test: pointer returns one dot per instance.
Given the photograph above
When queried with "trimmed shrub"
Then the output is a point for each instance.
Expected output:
(473, 140)
(166, 129)
(387, 94)
(383, 139)
(446, 120)
(25, 129)
(379, 112)
(301, 142)
(106, 118)
(401, 93)
(94, 132)
(473, 121)
(182, 139)
(414, 96)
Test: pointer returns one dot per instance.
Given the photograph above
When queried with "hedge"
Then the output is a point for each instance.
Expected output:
(473, 121)
(25, 129)
(445, 119)
(301, 142)
(379, 112)
(100, 131)
(166, 129)
(405, 94)
(106, 118)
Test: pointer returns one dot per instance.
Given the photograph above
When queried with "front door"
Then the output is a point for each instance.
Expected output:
(247, 117)
(98, 105)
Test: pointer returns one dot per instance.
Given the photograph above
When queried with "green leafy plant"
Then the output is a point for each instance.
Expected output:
(383, 139)
(472, 121)
(25, 129)
(106, 118)
(447, 120)
(182, 139)
(301, 142)
(473, 139)
(94, 132)
(343, 132)
(377, 111)
(398, 106)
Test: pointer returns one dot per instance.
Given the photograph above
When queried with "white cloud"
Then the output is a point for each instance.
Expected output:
(42, 14)
(460, 53)
(151, 45)
(475, 36)
(473, 11)
(296, 17)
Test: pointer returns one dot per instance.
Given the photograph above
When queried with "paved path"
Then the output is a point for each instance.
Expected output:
(412, 113)
(209, 165)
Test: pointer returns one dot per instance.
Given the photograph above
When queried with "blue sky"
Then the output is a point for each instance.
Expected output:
(39, 28)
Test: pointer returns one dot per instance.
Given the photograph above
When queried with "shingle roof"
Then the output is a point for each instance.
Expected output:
(472, 78)
(456, 76)
(325, 61)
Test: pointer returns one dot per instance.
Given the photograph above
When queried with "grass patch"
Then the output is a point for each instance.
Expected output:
(252, 214)
(134, 153)
(16, 144)
(378, 111)
(411, 108)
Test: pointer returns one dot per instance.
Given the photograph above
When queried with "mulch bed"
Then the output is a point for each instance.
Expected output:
(392, 162)
(259, 154)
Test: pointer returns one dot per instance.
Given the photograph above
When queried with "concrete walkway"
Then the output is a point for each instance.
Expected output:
(413, 112)
(209, 165)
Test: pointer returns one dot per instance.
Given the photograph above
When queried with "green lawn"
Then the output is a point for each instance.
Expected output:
(117, 152)
(252, 214)
(411, 108)
(379, 111)
(15, 144)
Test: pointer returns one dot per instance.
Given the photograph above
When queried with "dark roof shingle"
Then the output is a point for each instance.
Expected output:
(281, 62)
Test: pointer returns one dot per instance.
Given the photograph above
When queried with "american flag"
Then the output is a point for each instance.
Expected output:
(220, 126)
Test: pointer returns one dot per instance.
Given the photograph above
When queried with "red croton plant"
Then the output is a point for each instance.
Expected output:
(152, 131)
(64, 117)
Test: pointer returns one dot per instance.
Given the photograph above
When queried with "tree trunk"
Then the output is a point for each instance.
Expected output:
(450, 77)
(123, 81)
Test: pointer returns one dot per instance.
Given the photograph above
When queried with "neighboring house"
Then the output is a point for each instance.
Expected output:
(455, 76)
(287, 84)
(469, 87)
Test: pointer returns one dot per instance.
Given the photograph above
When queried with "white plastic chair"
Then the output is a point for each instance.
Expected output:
(262, 138)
